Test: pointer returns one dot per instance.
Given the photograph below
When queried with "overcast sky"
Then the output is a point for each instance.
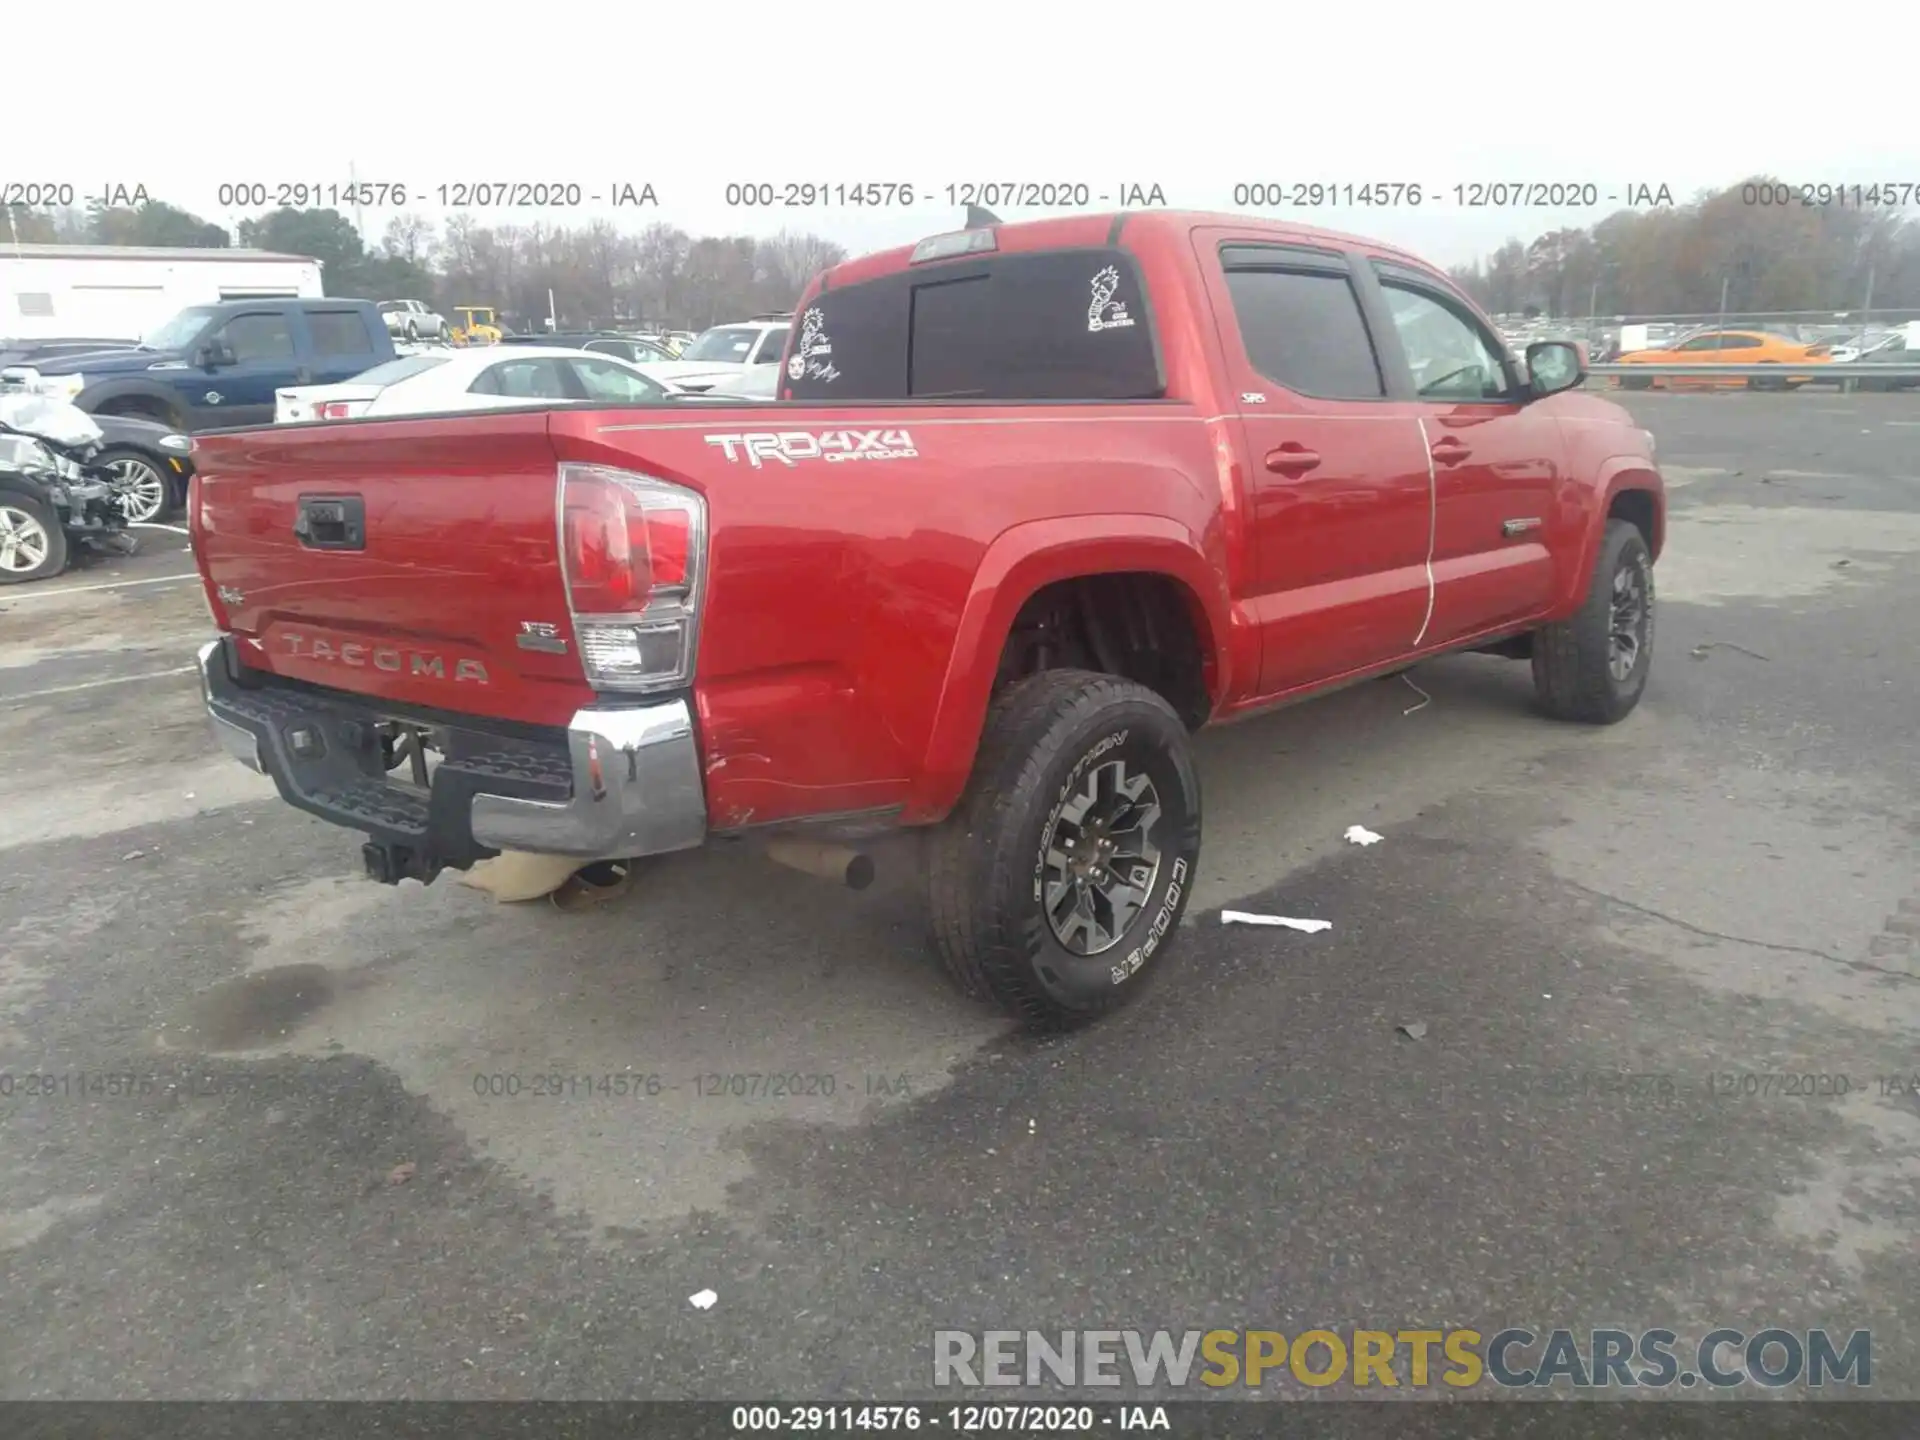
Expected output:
(691, 96)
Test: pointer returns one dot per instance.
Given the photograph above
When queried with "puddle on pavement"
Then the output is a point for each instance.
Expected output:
(252, 1010)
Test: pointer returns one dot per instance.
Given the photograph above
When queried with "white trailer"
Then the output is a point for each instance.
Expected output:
(119, 292)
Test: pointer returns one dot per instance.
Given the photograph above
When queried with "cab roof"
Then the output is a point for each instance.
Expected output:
(1128, 228)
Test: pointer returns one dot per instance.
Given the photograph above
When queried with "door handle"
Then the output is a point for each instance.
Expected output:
(1292, 459)
(1450, 452)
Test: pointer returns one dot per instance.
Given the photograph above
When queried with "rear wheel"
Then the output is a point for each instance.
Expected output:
(1636, 382)
(1057, 884)
(1593, 667)
(32, 544)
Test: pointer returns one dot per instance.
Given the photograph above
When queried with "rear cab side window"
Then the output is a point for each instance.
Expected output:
(1047, 325)
(1301, 323)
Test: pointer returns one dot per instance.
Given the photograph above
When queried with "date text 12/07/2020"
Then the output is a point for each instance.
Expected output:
(1245, 195)
(476, 194)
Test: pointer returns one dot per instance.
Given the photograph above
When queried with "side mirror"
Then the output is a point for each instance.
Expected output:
(215, 353)
(1554, 365)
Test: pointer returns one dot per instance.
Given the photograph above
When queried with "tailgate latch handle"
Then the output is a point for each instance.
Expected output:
(332, 522)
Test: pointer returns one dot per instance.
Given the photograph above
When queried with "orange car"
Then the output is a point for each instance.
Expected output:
(1727, 347)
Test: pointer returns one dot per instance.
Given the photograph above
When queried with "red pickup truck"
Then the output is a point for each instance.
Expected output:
(1036, 501)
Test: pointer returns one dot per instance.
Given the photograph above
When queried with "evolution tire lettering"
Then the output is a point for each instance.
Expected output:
(790, 447)
(1119, 737)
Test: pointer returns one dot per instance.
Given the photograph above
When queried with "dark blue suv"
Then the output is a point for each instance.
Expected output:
(217, 366)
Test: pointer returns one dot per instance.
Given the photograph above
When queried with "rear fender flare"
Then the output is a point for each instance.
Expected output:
(1019, 563)
(1622, 473)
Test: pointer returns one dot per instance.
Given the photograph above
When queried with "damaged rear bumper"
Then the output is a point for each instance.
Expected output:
(617, 782)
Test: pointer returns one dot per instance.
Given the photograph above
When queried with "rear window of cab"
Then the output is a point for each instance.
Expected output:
(1042, 325)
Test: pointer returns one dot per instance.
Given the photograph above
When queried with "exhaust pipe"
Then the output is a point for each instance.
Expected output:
(829, 862)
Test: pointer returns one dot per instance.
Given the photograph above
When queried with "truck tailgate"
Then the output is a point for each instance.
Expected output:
(398, 560)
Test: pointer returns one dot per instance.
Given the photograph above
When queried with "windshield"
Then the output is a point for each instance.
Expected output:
(405, 368)
(729, 344)
(178, 332)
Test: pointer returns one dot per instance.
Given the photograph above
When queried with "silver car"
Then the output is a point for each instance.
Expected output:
(413, 320)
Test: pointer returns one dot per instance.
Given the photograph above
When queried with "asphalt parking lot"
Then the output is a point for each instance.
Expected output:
(321, 1196)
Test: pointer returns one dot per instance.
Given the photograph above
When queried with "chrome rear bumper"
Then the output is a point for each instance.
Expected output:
(617, 782)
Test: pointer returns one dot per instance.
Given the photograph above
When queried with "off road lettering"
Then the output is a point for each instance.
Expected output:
(790, 447)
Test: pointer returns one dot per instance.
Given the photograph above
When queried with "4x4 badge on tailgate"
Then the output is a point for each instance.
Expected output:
(539, 635)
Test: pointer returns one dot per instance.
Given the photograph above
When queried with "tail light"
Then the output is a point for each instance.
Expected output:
(633, 553)
(338, 409)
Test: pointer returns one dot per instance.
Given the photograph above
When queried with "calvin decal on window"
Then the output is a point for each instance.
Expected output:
(814, 344)
(1107, 313)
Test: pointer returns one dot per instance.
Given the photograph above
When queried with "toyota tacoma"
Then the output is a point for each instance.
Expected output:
(1036, 502)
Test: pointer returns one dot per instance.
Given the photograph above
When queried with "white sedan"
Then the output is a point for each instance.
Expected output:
(436, 382)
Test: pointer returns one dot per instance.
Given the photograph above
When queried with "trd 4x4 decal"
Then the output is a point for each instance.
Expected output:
(790, 447)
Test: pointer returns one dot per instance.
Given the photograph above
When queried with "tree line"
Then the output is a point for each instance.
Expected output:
(1755, 241)
(599, 275)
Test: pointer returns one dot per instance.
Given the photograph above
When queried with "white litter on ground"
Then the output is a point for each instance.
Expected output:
(1425, 699)
(1360, 835)
(1245, 917)
(702, 1300)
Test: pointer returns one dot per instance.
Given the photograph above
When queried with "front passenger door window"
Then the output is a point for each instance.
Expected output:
(258, 337)
(1450, 357)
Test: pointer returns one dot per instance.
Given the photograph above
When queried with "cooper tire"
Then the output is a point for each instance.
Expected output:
(1010, 920)
(32, 544)
(1577, 669)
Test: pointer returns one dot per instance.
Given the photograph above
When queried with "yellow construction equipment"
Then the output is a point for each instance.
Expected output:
(478, 325)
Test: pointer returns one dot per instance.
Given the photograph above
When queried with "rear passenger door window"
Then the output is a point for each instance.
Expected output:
(338, 333)
(1302, 328)
(342, 348)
